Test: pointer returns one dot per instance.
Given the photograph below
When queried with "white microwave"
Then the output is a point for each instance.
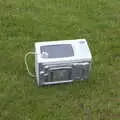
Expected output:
(62, 61)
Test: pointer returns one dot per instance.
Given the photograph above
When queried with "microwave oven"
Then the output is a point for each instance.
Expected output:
(62, 61)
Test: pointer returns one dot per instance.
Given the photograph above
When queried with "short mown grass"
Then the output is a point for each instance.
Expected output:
(24, 22)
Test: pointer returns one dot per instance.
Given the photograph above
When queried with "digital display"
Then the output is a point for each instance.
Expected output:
(57, 51)
(61, 75)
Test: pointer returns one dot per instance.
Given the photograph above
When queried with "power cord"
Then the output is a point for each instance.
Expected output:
(25, 60)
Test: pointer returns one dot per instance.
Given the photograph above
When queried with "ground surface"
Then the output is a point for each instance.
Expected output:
(23, 22)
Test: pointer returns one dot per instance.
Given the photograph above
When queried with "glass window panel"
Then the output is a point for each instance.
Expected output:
(57, 51)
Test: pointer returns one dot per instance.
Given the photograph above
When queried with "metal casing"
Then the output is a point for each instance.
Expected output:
(62, 61)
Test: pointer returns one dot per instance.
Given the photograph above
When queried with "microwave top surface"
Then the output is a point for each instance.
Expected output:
(65, 50)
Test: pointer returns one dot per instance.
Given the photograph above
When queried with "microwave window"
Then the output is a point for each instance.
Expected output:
(60, 75)
(57, 51)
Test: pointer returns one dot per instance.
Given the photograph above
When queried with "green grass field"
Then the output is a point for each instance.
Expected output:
(23, 22)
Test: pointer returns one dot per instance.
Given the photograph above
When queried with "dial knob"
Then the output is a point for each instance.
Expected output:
(41, 72)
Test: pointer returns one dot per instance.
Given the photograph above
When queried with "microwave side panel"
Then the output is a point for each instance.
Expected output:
(37, 52)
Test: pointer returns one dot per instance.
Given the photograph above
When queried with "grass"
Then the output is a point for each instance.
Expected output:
(23, 22)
